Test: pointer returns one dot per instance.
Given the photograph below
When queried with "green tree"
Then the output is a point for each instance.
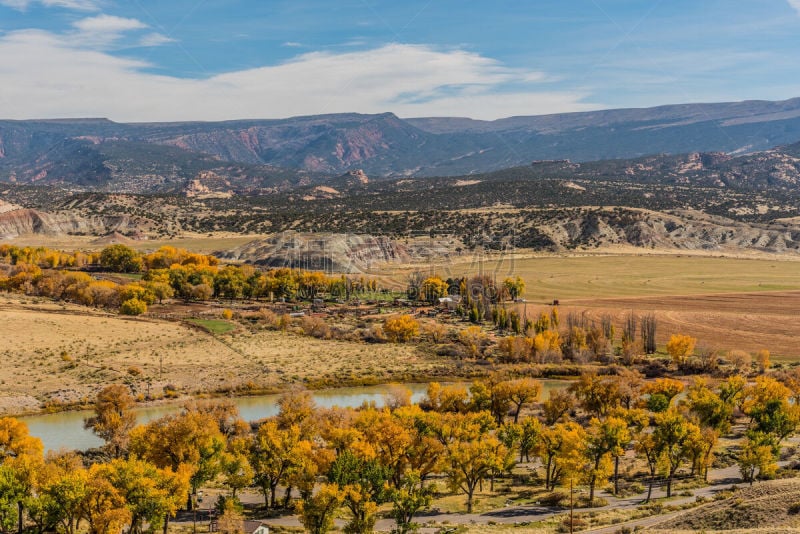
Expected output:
(407, 499)
(317, 510)
(514, 286)
(363, 482)
(121, 259)
(672, 433)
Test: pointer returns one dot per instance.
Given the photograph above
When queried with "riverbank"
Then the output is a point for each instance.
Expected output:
(65, 429)
(57, 356)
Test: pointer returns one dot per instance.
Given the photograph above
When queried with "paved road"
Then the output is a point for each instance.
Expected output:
(719, 480)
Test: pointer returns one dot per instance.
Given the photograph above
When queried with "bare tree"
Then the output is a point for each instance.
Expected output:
(607, 325)
(649, 324)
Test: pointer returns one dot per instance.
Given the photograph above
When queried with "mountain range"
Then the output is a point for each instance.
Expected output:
(272, 155)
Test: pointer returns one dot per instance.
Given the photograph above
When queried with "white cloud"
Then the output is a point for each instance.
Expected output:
(795, 4)
(49, 75)
(108, 24)
(103, 30)
(292, 44)
(155, 39)
(79, 5)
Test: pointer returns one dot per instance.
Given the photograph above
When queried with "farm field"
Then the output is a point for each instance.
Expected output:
(727, 303)
(733, 321)
(623, 275)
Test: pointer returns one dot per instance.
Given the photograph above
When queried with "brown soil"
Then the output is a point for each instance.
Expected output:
(745, 321)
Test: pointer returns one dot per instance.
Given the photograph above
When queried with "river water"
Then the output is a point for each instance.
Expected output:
(64, 430)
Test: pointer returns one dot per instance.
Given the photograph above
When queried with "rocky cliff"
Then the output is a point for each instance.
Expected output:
(23, 222)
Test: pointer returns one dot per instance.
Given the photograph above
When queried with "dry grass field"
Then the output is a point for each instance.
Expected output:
(64, 354)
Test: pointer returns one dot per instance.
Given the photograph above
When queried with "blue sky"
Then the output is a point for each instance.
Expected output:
(144, 60)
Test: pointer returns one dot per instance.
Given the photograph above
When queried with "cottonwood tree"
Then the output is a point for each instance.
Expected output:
(317, 510)
(471, 461)
(559, 448)
(598, 395)
(104, 506)
(605, 439)
(113, 418)
(408, 499)
(275, 452)
(363, 482)
(672, 434)
(757, 457)
(151, 494)
(556, 408)
(20, 462)
(661, 393)
(680, 347)
(190, 440)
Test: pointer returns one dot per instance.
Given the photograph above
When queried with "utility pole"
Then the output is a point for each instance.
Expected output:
(571, 508)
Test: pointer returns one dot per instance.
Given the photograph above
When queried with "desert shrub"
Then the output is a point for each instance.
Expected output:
(134, 371)
(315, 327)
(227, 314)
(740, 360)
(374, 334)
(269, 317)
(555, 498)
(436, 332)
(452, 350)
(515, 349)
(474, 340)
(577, 524)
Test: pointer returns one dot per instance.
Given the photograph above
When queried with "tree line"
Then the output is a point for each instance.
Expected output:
(316, 461)
(166, 273)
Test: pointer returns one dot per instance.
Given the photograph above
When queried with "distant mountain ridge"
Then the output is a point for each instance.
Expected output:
(253, 155)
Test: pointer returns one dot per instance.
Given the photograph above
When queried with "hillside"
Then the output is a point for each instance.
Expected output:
(103, 155)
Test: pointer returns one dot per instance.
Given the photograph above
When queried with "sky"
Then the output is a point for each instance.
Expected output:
(175, 60)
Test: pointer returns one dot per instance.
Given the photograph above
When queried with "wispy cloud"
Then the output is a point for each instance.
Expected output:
(155, 39)
(795, 4)
(55, 77)
(292, 44)
(103, 31)
(108, 24)
(79, 5)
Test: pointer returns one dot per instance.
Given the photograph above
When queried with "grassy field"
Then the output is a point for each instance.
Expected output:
(600, 276)
(215, 326)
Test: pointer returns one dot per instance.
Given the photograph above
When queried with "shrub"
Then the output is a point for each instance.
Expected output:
(555, 498)
(401, 329)
(680, 347)
(133, 307)
(315, 327)
(227, 314)
(270, 318)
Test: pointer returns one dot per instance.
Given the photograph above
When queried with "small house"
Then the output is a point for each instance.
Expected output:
(255, 527)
